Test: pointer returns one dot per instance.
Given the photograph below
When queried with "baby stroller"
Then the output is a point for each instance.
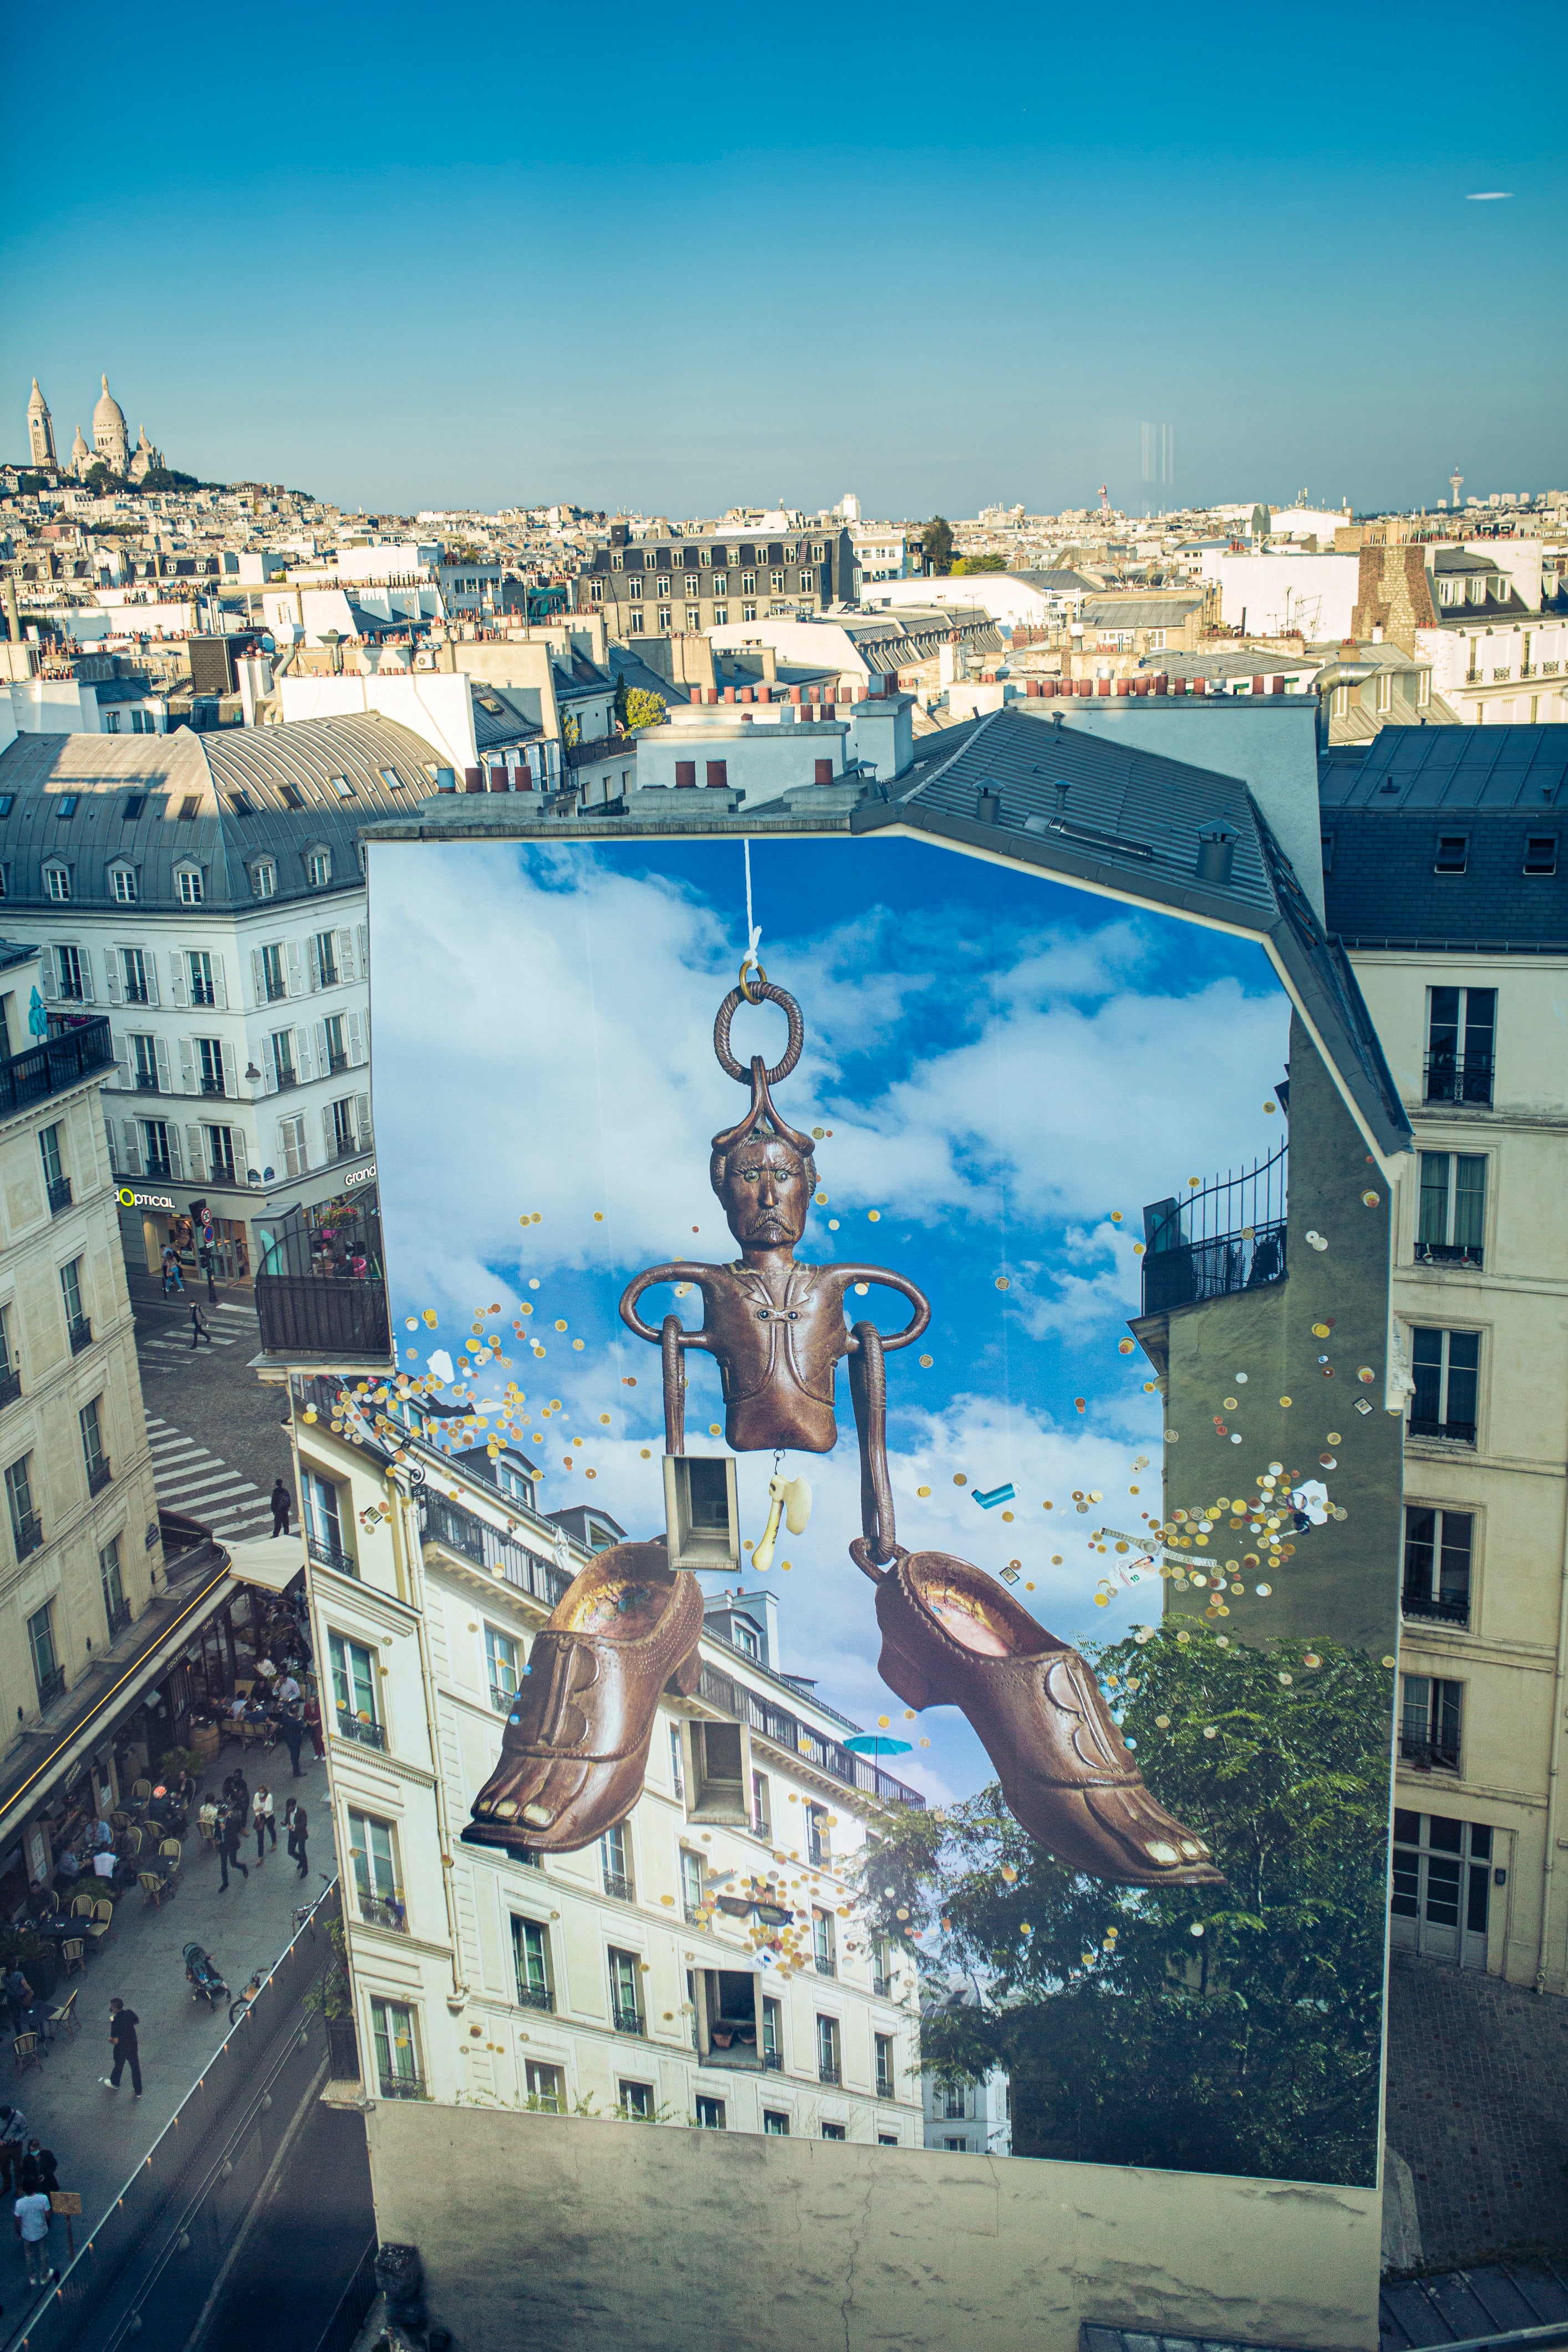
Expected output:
(201, 1977)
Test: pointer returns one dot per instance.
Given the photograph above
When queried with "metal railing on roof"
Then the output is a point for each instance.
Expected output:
(59, 1062)
(796, 1738)
(1226, 1236)
(462, 1531)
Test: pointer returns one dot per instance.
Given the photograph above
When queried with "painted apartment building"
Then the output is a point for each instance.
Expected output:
(659, 587)
(639, 1974)
(1444, 855)
(204, 892)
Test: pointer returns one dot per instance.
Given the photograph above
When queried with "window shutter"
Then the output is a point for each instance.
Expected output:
(85, 961)
(230, 1073)
(47, 970)
(361, 1121)
(131, 1158)
(268, 1069)
(329, 1132)
(323, 1057)
(178, 992)
(176, 1158)
(187, 1067)
(150, 966)
(258, 977)
(346, 955)
(195, 1159)
(315, 965)
(121, 1059)
(304, 1058)
(356, 1039)
(111, 970)
(161, 1048)
(364, 951)
(295, 984)
(220, 984)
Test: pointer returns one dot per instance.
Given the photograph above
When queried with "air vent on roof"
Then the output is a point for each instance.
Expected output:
(1216, 854)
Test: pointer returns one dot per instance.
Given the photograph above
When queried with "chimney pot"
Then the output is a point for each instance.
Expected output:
(1216, 854)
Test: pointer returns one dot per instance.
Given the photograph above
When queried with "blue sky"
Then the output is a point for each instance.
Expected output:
(1005, 1063)
(409, 260)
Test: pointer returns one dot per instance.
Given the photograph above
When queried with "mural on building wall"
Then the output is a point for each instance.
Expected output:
(1158, 1844)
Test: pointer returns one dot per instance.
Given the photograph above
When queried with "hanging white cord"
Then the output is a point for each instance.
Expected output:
(754, 935)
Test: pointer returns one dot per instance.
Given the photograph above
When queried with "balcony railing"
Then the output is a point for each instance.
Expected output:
(1459, 1078)
(882, 1986)
(772, 2061)
(628, 2021)
(697, 1914)
(367, 1733)
(119, 1618)
(10, 1388)
(327, 1554)
(884, 2086)
(211, 1086)
(1449, 1253)
(276, 990)
(1459, 1433)
(1429, 1755)
(622, 1889)
(59, 1195)
(383, 1911)
(502, 1699)
(1442, 1610)
(827, 2071)
(147, 1082)
(799, 1740)
(80, 1333)
(323, 1315)
(336, 1064)
(536, 1996)
(59, 1062)
(51, 1685)
(404, 2086)
(487, 1548)
(827, 1966)
(1227, 1237)
(28, 1533)
(160, 1171)
(98, 1474)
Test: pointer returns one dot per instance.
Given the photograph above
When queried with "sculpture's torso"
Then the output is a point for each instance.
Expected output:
(778, 1345)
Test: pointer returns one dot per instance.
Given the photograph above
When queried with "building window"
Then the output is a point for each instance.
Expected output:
(136, 977)
(58, 882)
(546, 2086)
(773, 2032)
(664, 616)
(209, 1066)
(956, 2146)
(77, 1323)
(677, 1770)
(720, 583)
(775, 2124)
(693, 617)
(822, 1944)
(626, 1992)
(1385, 690)
(116, 1610)
(834, 2131)
(189, 882)
(48, 1672)
(94, 1460)
(1461, 1032)
(827, 2055)
(817, 1839)
(324, 970)
(692, 1887)
(397, 2049)
(634, 590)
(501, 1658)
(721, 617)
(49, 1153)
(1429, 1723)
(10, 1378)
(616, 1864)
(373, 1856)
(808, 584)
(884, 2051)
(353, 1686)
(345, 1143)
(1437, 1564)
(776, 582)
(157, 1158)
(323, 1524)
(748, 612)
(709, 2114)
(1540, 854)
(319, 868)
(281, 1046)
(954, 2102)
(273, 977)
(264, 878)
(1453, 1208)
(69, 978)
(531, 1963)
(26, 1534)
(748, 583)
(1441, 1867)
(635, 2100)
(220, 1154)
(762, 1810)
(199, 965)
(144, 1061)
(1452, 853)
(124, 881)
(1446, 1366)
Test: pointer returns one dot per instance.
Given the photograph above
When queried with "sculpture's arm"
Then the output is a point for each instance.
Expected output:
(681, 1270)
(920, 1303)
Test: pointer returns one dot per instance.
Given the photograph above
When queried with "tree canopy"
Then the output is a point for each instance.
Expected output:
(1227, 2029)
(967, 563)
(936, 537)
(636, 707)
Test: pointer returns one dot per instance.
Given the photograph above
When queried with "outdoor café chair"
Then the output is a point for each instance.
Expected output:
(71, 1949)
(28, 2054)
(81, 1906)
(101, 1924)
(153, 1887)
(65, 2017)
(172, 1851)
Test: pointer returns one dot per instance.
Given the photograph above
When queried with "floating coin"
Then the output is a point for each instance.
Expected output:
(1263, 1591)
(925, 1363)
(1329, 1461)
(1334, 1438)
(1124, 1346)
(1365, 1374)
(1003, 1283)
(959, 1479)
(875, 1215)
(1388, 1662)
(923, 1491)
(1371, 1199)
(1284, 1400)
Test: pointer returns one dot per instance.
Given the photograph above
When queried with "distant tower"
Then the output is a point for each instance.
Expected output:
(81, 456)
(110, 440)
(41, 429)
(1456, 483)
(1104, 504)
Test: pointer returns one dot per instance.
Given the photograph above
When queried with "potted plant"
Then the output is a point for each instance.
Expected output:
(37, 1958)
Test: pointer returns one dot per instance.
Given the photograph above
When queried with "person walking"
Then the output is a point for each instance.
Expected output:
(173, 1280)
(33, 2213)
(38, 2170)
(212, 1285)
(199, 1326)
(282, 1504)
(12, 2140)
(313, 1725)
(231, 1829)
(261, 1814)
(19, 1999)
(291, 1731)
(299, 1829)
(123, 2024)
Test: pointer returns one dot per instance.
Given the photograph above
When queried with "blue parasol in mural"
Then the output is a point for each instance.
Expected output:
(874, 1743)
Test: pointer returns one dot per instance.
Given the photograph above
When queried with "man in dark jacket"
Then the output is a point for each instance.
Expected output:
(231, 1829)
(122, 2023)
(282, 1504)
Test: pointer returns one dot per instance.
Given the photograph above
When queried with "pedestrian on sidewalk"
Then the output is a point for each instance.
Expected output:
(313, 1725)
(12, 2140)
(38, 2170)
(231, 1829)
(199, 1326)
(173, 1281)
(33, 2214)
(123, 2024)
(19, 1999)
(282, 1504)
(299, 1830)
(207, 1818)
(262, 1814)
(291, 1731)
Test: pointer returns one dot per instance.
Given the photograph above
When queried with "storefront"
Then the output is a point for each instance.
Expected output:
(151, 1223)
(236, 1225)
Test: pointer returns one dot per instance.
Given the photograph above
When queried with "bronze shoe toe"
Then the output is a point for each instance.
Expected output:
(951, 1636)
(575, 1746)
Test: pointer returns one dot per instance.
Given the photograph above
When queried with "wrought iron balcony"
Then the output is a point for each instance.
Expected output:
(80, 1333)
(827, 2071)
(59, 1195)
(146, 1082)
(276, 990)
(827, 1966)
(1458, 1432)
(697, 1914)
(29, 1533)
(884, 2086)
(330, 1554)
(1228, 1236)
(404, 2086)
(1459, 1078)
(51, 1686)
(485, 1547)
(361, 1729)
(502, 1699)
(1449, 1253)
(98, 1474)
(628, 2021)
(323, 1315)
(383, 1911)
(882, 1986)
(772, 2061)
(536, 1996)
(1429, 1755)
(211, 1086)
(1441, 1610)
(621, 1889)
(59, 1062)
(119, 1618)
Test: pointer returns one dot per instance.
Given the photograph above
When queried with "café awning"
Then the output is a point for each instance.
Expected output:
(273, 1561)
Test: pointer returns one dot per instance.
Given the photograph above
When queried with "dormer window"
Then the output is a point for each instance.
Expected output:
(188, 884)
(122, 884)
(264, 878)
(58, 882)
(319, 868)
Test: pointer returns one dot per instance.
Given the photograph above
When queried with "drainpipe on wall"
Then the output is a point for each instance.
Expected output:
(1553, 1772)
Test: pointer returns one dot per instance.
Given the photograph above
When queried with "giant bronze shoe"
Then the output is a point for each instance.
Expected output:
(576, 1740)
(951, 1637)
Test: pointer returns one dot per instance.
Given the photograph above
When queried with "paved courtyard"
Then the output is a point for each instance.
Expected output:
(1478, 2105)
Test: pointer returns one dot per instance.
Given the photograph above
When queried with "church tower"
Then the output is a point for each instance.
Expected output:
(110, 440)
(81, 456)
(41, 429)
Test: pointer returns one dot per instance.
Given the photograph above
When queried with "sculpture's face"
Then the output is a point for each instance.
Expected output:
(765, 1194)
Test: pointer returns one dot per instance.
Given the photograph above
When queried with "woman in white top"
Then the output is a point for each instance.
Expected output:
(261, 1814)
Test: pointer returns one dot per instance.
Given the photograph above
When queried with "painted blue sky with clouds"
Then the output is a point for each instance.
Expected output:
(1003, 1062)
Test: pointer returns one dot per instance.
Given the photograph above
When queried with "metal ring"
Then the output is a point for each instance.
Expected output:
(727, 1011)
(749, 963)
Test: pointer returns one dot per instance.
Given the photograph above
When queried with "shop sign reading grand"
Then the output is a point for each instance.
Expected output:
(129, 1199)
(360, 1176)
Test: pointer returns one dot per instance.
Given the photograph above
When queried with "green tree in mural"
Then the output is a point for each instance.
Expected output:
(1232, 2029)
(968, 563)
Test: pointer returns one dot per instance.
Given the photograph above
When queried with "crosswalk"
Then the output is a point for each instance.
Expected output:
(191, 1478)
(241, 1328)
